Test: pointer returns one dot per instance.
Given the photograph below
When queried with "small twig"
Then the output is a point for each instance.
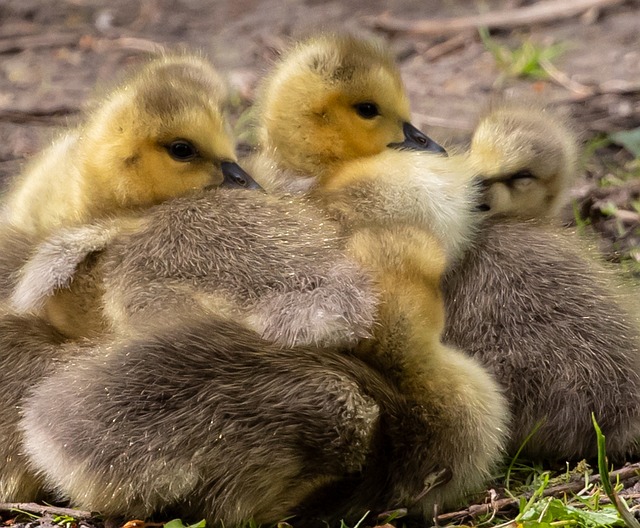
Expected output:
(141, 524)
(39, 115)
(567, 82)
(540, 12)
(448, 46)
(475, 510)
(612, 87)
(32, 507)
(55, 40)
(122, 42)
(623, 474)
(615, 86)
(628, 496)
(51, 40)
(583, 91)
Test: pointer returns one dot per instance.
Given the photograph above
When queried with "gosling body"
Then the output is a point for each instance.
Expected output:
(205, 419)
(277, 264)
(404, 242)
(382, 196)
(559, 332)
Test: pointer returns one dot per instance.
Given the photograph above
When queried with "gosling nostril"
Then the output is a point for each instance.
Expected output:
(415, 139)
(235, 176)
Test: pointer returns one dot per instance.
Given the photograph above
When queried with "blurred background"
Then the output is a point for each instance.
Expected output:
(581, 56)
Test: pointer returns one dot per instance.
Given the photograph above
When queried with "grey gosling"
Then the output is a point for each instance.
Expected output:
(29, 349)
(533, 304)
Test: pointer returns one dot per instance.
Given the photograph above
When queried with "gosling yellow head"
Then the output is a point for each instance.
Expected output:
(333, 99)
(526, 158)
(160, 134)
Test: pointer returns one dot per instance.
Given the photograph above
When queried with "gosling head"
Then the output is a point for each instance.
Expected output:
(333, 99)
(160, 134)
(526, 159)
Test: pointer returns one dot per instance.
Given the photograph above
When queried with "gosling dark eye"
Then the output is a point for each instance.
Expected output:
(367, 110)
(181, 150)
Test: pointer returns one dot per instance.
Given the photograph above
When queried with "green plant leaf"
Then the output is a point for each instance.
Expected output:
(551, 510)
(177, 523)
(524, 61)
(629, 139)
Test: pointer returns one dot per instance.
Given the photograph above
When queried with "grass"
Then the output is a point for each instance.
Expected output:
(543, 502)
(524, 61)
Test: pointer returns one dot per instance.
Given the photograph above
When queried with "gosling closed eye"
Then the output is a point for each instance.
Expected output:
(522, 175)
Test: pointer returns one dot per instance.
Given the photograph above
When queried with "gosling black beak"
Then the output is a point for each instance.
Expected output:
(416, 140)
(235, 177)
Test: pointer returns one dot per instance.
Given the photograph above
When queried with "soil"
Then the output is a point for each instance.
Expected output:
(53, 55)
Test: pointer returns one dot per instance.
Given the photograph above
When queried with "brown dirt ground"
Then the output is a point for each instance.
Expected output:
(54, 54)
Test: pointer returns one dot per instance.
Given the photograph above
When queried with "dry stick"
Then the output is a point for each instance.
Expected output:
(123, 42)
(583, 91)
(613, 87)
(37, 114)
(567, 82)
(53, 40)
(474, 510)
(444, 48)
(543, 11)
(32, 507)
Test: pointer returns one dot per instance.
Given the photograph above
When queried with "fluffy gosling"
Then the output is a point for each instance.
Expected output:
(160, 134)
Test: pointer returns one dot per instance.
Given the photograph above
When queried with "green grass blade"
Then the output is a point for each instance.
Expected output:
(603, 469)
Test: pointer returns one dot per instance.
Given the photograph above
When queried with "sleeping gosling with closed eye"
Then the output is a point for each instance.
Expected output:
(532, 302)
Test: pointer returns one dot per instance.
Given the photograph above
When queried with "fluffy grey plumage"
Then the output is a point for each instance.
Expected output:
(274, 263)
(15, 249)
(62, 279)
(205, 418)
(279, 266)
(29, 348)
(555, 330)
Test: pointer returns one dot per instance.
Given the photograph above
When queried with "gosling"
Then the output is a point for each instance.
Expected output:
(526, 157)
(160, 134)
(329, 100)
(534, 305)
